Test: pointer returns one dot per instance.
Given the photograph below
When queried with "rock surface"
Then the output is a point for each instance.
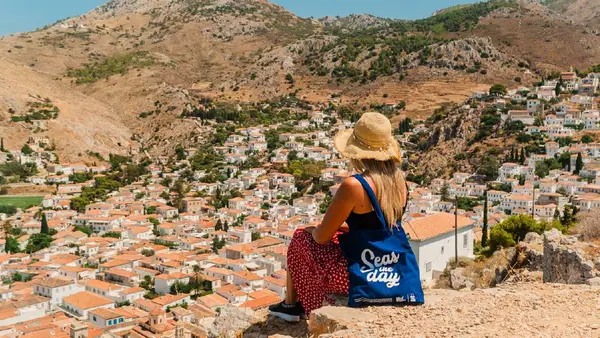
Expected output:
(231, 321)
(458, 280)
(333, 318)
(510, 310)
(567, 260)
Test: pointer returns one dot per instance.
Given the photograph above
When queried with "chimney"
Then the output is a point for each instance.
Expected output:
(79, 330)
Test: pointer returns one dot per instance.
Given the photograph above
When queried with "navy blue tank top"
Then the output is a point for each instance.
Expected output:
(368, 221)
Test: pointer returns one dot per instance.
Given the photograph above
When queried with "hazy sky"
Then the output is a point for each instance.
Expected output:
(26, 15)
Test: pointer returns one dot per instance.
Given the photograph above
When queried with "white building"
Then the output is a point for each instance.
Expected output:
(80, 304)
(55, 288)
(432, 240)
(163, 283)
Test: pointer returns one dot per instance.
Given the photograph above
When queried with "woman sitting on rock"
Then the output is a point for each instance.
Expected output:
(317, 266)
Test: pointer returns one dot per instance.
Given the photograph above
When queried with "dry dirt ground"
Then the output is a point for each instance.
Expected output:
(528, 309)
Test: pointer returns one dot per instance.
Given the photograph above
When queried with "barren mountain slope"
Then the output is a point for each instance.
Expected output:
(580, 11)
(83, 123)
(541, 37)
(148, 59)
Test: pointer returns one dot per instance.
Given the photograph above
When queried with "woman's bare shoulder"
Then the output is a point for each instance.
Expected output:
(351, 183)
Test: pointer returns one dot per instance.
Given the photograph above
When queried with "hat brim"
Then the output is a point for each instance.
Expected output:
(351, 148)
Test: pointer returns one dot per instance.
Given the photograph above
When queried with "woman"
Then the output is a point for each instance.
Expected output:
(316, 264)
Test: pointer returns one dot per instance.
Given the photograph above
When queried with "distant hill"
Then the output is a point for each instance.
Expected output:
(580, 11)
(135, 65)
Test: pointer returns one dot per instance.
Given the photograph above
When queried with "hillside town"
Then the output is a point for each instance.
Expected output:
(157, 247)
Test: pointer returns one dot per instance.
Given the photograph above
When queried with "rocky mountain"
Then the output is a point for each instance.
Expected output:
(133, 66)
(580, 11)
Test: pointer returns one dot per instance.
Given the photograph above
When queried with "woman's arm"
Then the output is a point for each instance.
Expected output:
(339, 210)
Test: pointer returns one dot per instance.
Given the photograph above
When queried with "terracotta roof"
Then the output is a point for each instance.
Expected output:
(102, 285)
(260, 303)
(433, 226)
(105, 313)
(168, 299)
(53, 282)
(87, 300)
(212, 300)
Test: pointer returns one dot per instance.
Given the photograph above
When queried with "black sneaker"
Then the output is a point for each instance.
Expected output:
(289, 313)
(302, 312)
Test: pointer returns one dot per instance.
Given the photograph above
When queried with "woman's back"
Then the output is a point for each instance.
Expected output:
(363, 217)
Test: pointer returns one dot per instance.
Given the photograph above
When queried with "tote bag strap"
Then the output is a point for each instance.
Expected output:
(374, 201)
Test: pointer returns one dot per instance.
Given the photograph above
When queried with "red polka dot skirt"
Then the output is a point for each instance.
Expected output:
(316, 270)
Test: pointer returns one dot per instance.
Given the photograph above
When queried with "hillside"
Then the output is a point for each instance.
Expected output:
(145, 61)
(580, 11)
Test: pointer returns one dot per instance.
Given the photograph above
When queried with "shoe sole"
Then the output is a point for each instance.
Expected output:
(286, 317)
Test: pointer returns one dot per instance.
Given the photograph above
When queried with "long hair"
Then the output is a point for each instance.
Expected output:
(390, 185)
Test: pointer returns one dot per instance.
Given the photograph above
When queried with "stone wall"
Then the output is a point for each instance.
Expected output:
(564, 260)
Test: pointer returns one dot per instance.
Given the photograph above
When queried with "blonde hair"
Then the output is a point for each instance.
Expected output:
(390, 185)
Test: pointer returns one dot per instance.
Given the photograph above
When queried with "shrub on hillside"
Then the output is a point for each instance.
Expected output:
(588, 227)
(513, 230)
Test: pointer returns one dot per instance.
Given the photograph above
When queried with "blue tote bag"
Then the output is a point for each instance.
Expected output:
(382, 267)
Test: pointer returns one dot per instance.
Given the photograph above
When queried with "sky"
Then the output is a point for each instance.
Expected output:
(26, 15)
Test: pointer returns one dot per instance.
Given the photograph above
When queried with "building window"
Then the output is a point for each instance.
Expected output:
(95, 318)
(442, 250)
(465, 240)
(428, 267)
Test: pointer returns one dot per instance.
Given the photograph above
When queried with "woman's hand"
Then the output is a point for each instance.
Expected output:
(310, 229)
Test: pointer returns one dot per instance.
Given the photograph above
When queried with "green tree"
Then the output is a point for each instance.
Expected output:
(12, 245)
(513, 230)
(498, 90)
(522, 157)
(2, 145)
(541, 169)
(180, 152)
(568, 216)
(112, 234)
(587, 139)
(484, 230)
(197, 281)
(578, 163)
(289, 78)
(148, 252)
(556, 215)
(38, 242)
(85, 229)
(559, 87)
(226, 226)
(444, 193)
(218, 225)
(255, 236)
(45, 229)
(147, 283)
(216, 245)
(79, 203)
(26, 149)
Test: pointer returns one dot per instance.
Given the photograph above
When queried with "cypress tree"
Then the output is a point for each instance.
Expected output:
(2, 144)
(512, 155)
(522, 158)
(556, 214)
(225, 226)
(45, 228)
(219, 225)
(578, 163)
(484, 231)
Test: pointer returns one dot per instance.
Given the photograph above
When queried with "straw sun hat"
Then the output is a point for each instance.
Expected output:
(371, 138)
